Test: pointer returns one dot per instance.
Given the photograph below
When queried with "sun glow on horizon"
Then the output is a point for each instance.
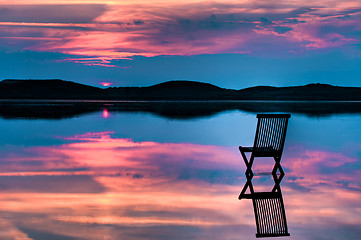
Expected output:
(106, 84)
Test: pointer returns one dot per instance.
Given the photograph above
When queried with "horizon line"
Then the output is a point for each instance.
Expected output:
(179, 80)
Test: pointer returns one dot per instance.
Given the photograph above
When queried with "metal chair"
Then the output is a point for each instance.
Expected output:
(268, 206)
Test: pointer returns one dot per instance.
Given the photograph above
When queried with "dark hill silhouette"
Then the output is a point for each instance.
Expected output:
(46, 89)
(185, 85)
(307, 92)
(172, 90)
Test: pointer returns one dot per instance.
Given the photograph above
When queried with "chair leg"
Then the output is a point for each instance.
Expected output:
(249, 175)
(276, 179)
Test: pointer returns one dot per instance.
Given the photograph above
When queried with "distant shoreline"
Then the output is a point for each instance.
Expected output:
(30, 90)
(169, 101)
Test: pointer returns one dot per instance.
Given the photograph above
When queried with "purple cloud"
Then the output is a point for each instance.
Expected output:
(49, 13)
(108, 32)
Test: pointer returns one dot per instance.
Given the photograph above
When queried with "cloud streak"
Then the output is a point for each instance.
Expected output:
(118, 30)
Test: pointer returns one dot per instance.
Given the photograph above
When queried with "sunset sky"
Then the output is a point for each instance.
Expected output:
(232, 44)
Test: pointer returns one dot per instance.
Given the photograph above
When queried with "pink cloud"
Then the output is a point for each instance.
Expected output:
(115, 32)
(310, 168)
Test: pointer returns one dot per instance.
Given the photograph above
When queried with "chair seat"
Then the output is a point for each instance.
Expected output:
(261, 151)
(259, 235)
(263, 174)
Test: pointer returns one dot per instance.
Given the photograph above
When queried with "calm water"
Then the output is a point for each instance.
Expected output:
(137, 175)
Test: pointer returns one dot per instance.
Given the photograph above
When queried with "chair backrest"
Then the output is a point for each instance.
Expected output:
(270, 133)
(270, 214)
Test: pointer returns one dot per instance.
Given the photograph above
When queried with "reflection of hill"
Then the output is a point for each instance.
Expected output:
(172, 110)
(172, 90)
(44, 109)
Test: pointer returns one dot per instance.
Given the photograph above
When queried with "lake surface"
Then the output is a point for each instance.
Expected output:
(107, 174)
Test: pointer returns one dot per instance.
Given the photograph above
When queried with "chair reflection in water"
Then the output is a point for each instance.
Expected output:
(268, 206)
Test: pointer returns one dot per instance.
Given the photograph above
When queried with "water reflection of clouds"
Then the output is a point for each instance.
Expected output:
(99, 180)
(97, 186)
(170, 161)
(310, 168)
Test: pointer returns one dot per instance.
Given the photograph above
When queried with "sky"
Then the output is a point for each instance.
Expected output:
(232, 44)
